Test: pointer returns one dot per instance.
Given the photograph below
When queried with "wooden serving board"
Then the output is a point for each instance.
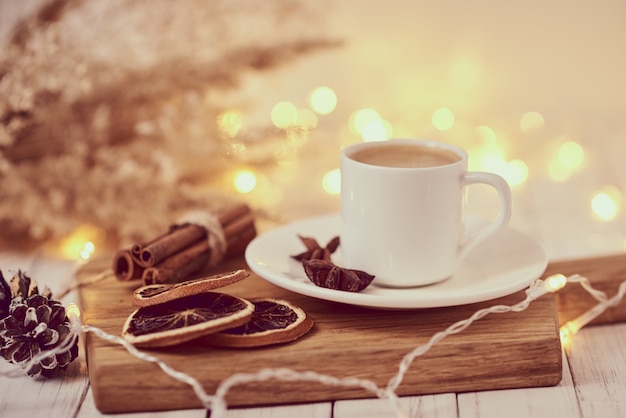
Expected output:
(604, 273)
(509, 350)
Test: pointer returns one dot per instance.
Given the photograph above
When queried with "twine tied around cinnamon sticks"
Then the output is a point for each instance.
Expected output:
(199, 239)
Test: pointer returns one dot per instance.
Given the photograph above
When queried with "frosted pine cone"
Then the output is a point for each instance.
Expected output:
(33, 323)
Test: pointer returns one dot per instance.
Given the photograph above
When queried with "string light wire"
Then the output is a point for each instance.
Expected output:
(572, 327)
(217, 403)
(204, 398)
(536, 290)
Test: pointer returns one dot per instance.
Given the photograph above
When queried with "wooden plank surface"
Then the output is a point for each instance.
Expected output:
(597, 359)
(345, 342)
(557, 401)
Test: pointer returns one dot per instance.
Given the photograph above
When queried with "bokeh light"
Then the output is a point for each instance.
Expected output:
(571, 154)
(443, 119)
(486, 134)
(531, 122)
(229, 123)
(323, 100)
(80, 245)
(361, 118)
(516, 172)
(284, 114)
(558, 172)
(237, 148)
(493, 163)
(491, 158)
(244, 181)
(306, 119)
(331, 182)
(570, 157)
(606, 203)
(376, 130)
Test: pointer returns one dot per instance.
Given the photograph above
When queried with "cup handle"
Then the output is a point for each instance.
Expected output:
(504, 193)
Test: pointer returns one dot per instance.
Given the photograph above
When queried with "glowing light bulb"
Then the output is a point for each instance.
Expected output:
(443, 119)
(284, 114)
(570, 328)
(72, 311)
(332, 182)
(80, 244)
(555, 282)
(245, 181)
(566, 332)
(88, 250)
(323, 100)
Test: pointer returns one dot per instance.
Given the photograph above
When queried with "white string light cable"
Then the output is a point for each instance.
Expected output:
(217, 403)
(572, 327)
(88, 281)
(205, 398)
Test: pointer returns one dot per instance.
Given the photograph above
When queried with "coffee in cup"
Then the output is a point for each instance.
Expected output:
(405, 156)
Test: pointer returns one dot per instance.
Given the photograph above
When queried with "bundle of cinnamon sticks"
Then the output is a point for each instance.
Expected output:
(186, 249)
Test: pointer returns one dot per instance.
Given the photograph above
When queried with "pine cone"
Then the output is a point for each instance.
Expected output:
(5, 298)
(33, 323)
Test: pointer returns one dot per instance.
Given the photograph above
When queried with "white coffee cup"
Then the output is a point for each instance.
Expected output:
(402, 210)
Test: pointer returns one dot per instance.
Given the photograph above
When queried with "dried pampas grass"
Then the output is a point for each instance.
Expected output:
(107, 111)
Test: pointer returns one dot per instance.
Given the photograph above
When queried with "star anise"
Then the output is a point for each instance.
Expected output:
(326, 274)
(314, 251)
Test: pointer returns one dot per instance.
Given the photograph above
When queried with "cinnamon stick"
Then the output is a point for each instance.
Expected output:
(185, 249)
(238, 234)
(135, 250)
(180, 237)
(238, 247)
(179, 266)
(231, 214)
(239, 229)
(125, 266)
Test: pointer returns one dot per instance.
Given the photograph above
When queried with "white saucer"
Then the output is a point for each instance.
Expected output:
(504, 263)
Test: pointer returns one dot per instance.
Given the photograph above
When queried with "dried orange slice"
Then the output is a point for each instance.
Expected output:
(154, 294)
(185, 319)
(273, 322)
